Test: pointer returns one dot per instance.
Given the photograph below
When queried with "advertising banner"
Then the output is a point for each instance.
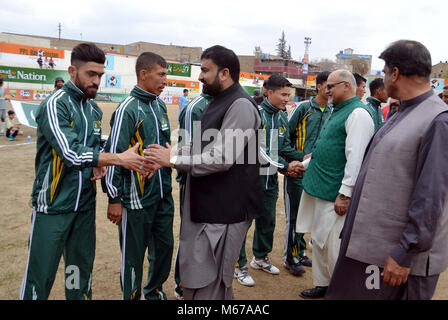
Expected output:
(21, 94)
(177, 69)
(252, 79)
(30, 75)
(311, 80)
(41, 94)
(31, 51)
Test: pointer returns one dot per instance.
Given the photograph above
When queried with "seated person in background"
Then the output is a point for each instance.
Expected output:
(12, 126)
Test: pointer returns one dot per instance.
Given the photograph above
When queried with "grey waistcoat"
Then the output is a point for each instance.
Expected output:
(382, 213)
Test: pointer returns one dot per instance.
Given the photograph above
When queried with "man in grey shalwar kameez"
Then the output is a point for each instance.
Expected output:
(223, 189)
(394, 240)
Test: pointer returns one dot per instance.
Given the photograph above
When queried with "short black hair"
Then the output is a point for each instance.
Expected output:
(147, 60)
(87, 52)
(322, 77)
(445, 87)
(256, 92)
(265, 83)
(359, 79)
(276, 82)
(11, 112)
(376, 84)
(410, 57)
(1, 80)
(224, 58)
(185, 90)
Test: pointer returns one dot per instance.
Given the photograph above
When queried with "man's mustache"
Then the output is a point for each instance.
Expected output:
(92, 86)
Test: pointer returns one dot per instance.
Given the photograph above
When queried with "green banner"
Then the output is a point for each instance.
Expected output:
(29, 75)
(177, 69)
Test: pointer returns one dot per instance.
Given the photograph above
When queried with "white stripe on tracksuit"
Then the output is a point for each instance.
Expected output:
(61, 139)
(124, 222)
(22, 290)
(115, 134)
(188, 122)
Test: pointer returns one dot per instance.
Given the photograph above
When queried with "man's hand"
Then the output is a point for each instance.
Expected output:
(394, 274)
(130, 160)
(114, 211)
(307, 156)
(341, 205)
(98, 173)
(150, 168)
(158, 155)
(295, 169)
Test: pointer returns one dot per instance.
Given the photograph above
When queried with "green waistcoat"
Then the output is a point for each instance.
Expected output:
(325, 172)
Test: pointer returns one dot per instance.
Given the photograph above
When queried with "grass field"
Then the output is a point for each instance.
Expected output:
(17, 172)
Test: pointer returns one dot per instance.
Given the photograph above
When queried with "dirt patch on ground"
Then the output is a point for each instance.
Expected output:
(17, 172)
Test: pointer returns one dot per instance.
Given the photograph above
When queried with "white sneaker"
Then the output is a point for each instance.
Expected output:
(243, 276)
(265, 265)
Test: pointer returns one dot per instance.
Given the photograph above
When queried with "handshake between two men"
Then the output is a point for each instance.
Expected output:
(155, 157)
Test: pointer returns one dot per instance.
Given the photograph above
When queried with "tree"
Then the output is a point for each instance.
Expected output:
(288, 54)
(281, 47)
(326, 64)
(258, 52)
(360, 66)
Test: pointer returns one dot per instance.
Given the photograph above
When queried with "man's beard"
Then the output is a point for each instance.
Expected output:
(85, 89)
(212, 89)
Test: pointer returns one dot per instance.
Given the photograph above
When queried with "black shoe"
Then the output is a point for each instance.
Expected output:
(294, 268)
(314, 293)
(305, 261)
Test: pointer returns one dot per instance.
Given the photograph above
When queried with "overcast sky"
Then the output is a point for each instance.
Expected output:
(366, 26)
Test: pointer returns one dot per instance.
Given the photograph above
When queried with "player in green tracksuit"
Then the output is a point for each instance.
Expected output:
(143, 207)
(278, 154)
(187, 118)
(305, 122)
(378, 95)
(66, 167)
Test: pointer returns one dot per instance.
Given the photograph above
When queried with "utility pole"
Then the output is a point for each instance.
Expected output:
(59, 29)
(307, 49)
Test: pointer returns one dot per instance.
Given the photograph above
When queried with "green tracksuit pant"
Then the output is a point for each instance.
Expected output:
(71, 235)
(264, 229)
(178, 283)
(148, 228)
(295, 244)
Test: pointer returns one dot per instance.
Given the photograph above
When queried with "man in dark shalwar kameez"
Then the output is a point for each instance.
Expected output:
(394, 240)
(223, 186)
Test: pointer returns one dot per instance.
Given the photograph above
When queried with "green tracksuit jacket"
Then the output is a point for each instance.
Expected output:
(68, 146)
(305, 122)
(141, 118)
(191, 113)
(275, 143)
(374, 108)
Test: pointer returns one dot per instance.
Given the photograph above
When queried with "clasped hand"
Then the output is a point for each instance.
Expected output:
(295, 169)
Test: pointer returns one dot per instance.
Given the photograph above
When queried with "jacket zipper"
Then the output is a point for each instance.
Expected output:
(80, 171)
(158, 142)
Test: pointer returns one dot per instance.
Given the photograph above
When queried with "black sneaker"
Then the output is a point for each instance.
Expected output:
(294, 268)
(305, 261)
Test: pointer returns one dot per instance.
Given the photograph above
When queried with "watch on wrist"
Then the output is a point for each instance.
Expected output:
(173, 162)
(343, 197)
